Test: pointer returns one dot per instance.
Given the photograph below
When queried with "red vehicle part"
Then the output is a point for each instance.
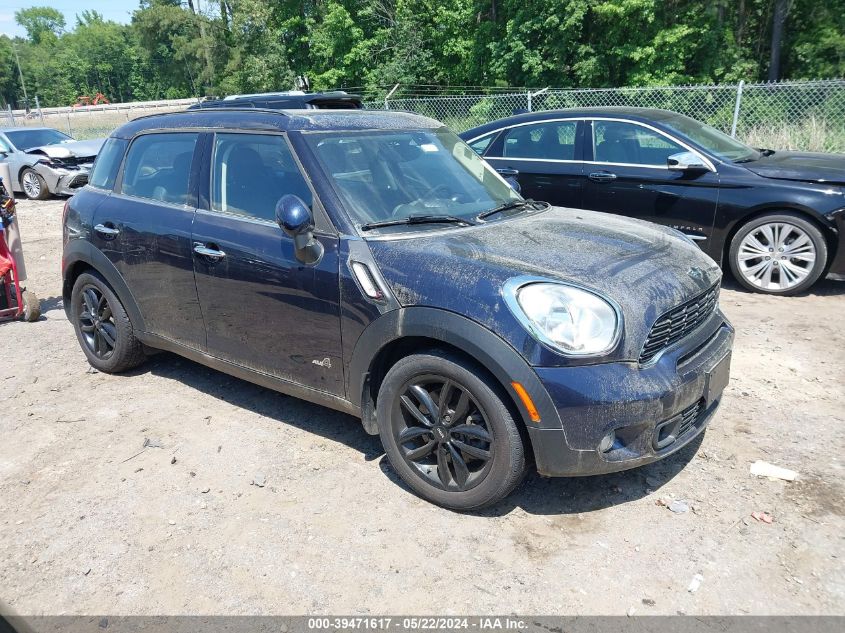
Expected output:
(15, 301)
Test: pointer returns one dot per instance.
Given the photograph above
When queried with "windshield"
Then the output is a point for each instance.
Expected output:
(719, 143)
(27, 139)
(395, 175)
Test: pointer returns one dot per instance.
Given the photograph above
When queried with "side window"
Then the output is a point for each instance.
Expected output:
(552, 140)
(251, 172)
(479, 145)
(4, 146)
(104, 171)
(158, 167)
(620, 142)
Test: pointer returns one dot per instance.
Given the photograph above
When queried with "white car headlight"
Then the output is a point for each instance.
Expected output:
(573, 321)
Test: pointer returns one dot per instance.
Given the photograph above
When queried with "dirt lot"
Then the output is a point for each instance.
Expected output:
(90, 523)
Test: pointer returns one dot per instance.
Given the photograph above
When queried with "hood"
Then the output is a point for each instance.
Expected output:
(645, 268)
(71, 149)
(805, 166)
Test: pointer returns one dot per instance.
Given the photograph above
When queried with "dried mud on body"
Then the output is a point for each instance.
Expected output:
(276, 506)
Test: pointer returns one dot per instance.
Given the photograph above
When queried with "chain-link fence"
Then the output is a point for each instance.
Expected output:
(806, 115)
(86, 122)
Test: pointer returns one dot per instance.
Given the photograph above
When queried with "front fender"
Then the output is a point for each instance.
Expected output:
(80, 251)
(484, 346)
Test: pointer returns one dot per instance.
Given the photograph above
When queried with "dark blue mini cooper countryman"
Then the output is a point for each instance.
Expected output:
(371, 262)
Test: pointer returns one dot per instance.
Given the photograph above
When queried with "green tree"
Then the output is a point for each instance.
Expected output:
(41, 22)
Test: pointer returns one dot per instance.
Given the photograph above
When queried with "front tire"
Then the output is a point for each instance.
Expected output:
(102, 326)
(778, 254)
(448, 433)
(33, 185)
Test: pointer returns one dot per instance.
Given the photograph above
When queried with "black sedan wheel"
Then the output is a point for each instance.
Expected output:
(448, 432)
(102, 326)
(780, 254)
(33, 185)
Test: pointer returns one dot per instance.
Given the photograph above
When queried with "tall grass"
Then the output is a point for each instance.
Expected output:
(811, 135)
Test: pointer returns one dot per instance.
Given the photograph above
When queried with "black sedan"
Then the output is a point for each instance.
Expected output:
(776, 217)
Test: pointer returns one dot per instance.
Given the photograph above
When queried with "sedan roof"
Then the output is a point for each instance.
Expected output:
(278, 120)
(637, 114)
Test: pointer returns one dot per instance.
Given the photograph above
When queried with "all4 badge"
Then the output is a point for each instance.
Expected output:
(326, 362)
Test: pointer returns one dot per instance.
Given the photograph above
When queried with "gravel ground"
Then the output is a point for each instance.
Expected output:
(91, 523)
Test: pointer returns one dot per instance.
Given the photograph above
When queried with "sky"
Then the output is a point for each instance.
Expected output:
(116, 10)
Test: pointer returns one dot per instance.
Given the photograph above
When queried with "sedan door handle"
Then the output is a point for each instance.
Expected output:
(602, 176)
(208, 251)
(108, 232)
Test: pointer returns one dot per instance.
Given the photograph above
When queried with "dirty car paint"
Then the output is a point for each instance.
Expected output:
(646, 269)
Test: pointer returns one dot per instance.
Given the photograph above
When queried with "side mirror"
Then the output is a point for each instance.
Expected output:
(510, 177)
(686, 161)
(296, 220)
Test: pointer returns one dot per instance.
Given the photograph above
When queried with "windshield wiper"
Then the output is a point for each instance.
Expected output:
(507, 206)
(418, 219)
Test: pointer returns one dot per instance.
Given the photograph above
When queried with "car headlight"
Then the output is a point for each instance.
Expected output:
(572, 321)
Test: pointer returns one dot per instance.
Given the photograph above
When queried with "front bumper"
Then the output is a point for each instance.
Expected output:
(63, 181)
(654, 409)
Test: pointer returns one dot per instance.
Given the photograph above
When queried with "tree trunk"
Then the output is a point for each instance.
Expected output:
(778, 19)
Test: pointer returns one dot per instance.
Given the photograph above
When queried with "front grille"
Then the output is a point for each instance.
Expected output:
(688, 417)
(75, 161)
(78, 181)
(676, 427)
(678, 322)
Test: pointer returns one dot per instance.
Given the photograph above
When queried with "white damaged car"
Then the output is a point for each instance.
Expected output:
(44, 161)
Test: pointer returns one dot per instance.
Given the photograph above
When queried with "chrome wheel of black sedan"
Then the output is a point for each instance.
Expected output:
(448, 432)
(779, 253)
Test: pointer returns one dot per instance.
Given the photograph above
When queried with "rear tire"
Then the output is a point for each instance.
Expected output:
(102, 326)
(465, 454)
(778, 254)
(33, 185)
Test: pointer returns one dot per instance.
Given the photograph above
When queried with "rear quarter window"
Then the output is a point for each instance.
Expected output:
(104, 171)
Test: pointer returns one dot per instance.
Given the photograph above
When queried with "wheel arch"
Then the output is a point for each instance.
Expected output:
(80, 256)
(405, 331)
(827, 229)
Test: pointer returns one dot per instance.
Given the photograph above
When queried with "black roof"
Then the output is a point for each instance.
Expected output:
(278, 120)
(637, 114)
(337, 99)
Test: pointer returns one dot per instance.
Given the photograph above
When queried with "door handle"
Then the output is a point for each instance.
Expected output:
(108, 232)
(602, 176)
(208, 251)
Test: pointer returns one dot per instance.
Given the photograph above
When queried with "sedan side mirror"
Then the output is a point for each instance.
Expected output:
(296, 220)
(510, 177)
(686, 161)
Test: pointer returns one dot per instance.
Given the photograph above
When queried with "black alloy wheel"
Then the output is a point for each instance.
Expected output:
(103, 328)
(442, 433)
(449, 431)
(96, 323)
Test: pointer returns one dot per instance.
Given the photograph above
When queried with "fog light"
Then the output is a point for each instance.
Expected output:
(607, 442)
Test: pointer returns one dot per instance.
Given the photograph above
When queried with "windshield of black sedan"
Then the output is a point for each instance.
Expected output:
(719, 143)
(27, 139)
(395, 175)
